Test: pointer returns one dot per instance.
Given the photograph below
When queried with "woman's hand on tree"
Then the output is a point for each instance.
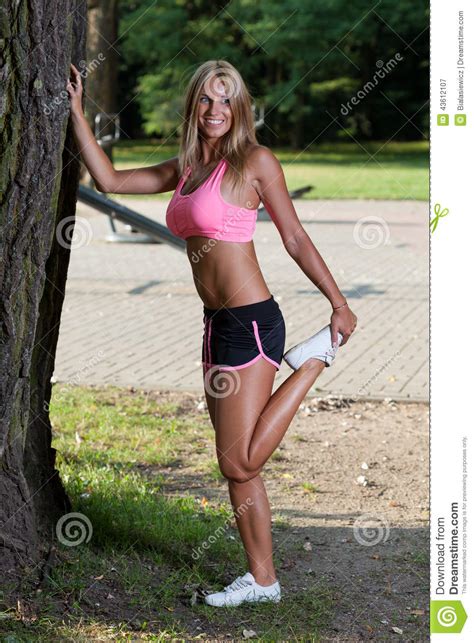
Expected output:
(74, 89)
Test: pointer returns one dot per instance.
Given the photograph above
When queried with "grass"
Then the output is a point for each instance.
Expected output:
(298, 438)
(309, 487)
(141, 555)
(369, 170)
(421, 558)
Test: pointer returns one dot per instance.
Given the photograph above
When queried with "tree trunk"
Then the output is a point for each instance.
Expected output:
(102, 56)
(101, 68)
(39, 173)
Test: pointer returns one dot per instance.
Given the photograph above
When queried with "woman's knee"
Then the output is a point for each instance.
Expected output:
(237, 472)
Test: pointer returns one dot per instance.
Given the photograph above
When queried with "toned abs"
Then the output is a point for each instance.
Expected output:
(226, 273)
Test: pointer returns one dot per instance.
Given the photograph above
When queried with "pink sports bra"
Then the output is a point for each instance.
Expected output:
(204, 212)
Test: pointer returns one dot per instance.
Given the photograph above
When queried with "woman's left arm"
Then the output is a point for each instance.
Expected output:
(269, 181)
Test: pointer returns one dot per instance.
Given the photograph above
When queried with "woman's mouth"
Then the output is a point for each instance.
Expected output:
(213, 122)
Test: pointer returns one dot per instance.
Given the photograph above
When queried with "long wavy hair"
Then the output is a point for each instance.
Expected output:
(241, 136)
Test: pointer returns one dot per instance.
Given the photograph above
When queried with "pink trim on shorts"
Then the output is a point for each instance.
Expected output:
(259, 356)
(207, 344)
(204, 339)
(236, 368)
(207, 355)
(207, 366)
(209, 340)
(259, 344)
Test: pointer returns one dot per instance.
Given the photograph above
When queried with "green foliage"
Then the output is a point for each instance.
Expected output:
(302, 59)
(336, 170)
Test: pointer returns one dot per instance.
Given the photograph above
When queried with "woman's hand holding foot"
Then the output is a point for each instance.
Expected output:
(343, 321)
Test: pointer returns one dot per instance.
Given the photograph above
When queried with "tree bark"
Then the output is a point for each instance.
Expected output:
(39, 171)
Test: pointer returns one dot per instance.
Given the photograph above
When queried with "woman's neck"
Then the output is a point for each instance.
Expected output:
(210, 151)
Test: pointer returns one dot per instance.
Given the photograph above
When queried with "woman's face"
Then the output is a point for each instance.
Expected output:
(214, 113)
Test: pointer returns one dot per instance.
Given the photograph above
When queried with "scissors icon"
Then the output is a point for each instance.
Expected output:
(438, 214)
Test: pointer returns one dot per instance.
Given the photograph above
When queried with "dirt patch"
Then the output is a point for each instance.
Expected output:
(349, 490)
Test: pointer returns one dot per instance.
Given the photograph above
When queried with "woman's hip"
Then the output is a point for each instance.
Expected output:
(239, 335)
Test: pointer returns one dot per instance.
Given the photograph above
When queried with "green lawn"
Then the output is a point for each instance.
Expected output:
(150, 550)
(335, 170)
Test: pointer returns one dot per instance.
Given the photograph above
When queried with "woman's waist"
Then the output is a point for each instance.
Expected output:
(230, 284)
(238, 291)
(262, 308)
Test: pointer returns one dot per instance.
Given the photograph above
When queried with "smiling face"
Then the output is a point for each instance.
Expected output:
(214, 112)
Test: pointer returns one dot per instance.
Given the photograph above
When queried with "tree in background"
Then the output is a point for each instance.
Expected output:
(101, 69)
(304, 59)
(39, 172)
(102, 34)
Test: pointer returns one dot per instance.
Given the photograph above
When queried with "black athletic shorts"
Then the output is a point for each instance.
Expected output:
(238, 336)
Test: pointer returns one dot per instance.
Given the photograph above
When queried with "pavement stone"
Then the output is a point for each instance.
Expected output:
(132, 317)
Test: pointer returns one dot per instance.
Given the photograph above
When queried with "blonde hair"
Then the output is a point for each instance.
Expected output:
(241, 136)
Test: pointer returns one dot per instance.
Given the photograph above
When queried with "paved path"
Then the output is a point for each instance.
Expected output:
(132, 317)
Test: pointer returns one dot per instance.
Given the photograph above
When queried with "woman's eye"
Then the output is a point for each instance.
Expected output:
(224, 100)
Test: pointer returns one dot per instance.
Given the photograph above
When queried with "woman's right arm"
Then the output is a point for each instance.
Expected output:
(153, 179)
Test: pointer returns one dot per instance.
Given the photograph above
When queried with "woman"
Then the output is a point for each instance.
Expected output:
(220, 176)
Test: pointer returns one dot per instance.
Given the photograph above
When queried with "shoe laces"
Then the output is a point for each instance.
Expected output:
(238, 583)
(331, 351)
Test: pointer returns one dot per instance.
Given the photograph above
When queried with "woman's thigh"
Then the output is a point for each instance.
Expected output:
(210, 393)
(237, 412)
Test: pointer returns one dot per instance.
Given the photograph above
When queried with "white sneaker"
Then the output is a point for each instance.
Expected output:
(318, 345)
(244, 589)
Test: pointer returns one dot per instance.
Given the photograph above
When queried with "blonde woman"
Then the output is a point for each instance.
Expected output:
(219, 179)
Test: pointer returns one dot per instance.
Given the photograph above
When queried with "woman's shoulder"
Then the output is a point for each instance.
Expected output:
(256, 150)
(260, 158)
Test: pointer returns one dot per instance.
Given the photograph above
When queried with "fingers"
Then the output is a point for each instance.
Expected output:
(346, 334)
(354, 325)
(70, 87)
(333, 335)
(74, 86)
(76, 74)
(335, 340)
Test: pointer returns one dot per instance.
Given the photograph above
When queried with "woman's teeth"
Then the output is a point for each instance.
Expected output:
(212, 121)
